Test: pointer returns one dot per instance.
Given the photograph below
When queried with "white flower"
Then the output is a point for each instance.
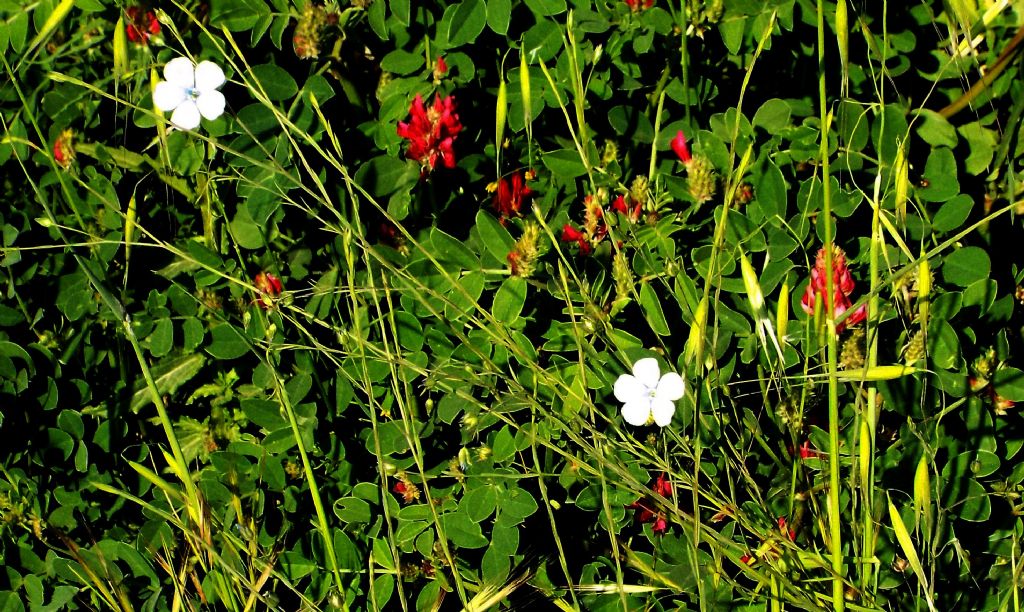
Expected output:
(190, 91)
(647, 395)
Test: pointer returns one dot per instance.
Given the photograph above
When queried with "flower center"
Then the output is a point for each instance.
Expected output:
(192, 92)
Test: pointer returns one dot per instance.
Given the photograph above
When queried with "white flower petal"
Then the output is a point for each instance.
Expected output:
(670, 387)
(181, 72)
(662, 409)
(647, 372)
(628, 388)
(209, 76)
(637, 412)
(211, 104)
(186, 116)
(167, 96)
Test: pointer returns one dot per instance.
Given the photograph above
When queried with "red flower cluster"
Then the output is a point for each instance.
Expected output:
(636, 5)
(594, 228)
(842, 285)
(510, 194)
(627, 207)
(663, 488)
(269, 287)
(142, 24)
(431, 132)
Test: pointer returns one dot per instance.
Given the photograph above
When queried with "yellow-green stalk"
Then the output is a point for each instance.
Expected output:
(835, 533)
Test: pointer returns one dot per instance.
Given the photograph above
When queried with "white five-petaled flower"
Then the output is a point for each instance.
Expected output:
(190, 91)
(647, 395)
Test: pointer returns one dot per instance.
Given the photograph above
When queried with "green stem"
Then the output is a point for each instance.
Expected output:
(835, 531)
(314, 490)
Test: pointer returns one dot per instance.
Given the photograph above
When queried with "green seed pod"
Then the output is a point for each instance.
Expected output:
(120, 49)
(923, 494)
(524, 88)
(696, 338)
(924, 290)
(901, 174)
(782, 312)
(843, 36)
(864, 457)
(500, 114)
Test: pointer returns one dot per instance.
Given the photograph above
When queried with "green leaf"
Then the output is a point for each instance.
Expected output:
(940, 175)
(952, 214)
(546, 8)
(966, 265)
(565, 164)
(934, 129)
(228, 342)
(401, 9)
(504, 446)
(384, 584)
(294, 565)
(945, 346)
(448, 250)
(463, 531)
(773, 115)
(375, 17)
(652, 310)
(496, 239)
(509, 299)
(499, 13)
(982, 142)
(169, 375)
(517, 504)
(384, 175)
(480, 503)
(382, 554)
(237, 15)
(770, 192)
(353, 510)
(162, 338)
(467, 22)
(543, 41)
(402, 62)
(1009, 383)
(275, 81)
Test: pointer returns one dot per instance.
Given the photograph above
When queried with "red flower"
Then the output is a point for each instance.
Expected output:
(645, 514)
(786, 531)
(636, 5)
(508, 198)
(571, 234)
(64, 149)
(431, 132)
(842, 285)
(269, 287)
(681, 148)
(662, 486)
(440, 68)
(806, 452)
(141, 25)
